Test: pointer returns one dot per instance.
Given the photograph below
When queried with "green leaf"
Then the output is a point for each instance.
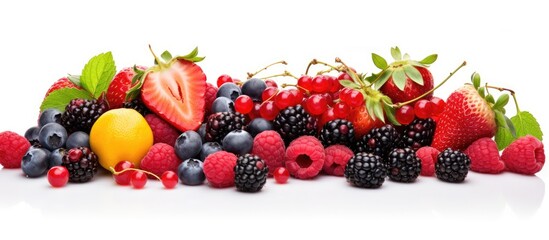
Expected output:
(378, 111)
(385, 75)
(59, 99)
(511, 126)
(98, 74)
(191, 55)
(399, 78)
(395, 52)
(390, 112)
(489, 98)
(501, 102)
(75, 79)
(379, 61)
(500, 119)
(167, 56)
(482, 92)
(503, 138)
(475, 79)
(349, 84)
(429, 59)
(413, 74)
(370, 108)
(524, 124)
(406, 56)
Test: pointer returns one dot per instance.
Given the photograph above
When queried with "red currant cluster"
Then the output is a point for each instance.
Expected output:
(125, 174)
(422, 109)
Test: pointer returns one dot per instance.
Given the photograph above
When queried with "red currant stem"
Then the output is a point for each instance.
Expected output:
(251, 75)
(351, 73)
(133, 169)
(338, 69)
(295, 85)
(398, 105)
(284, 74)
(511, 91)
(159, 61)
(274, 95)
(315, 62)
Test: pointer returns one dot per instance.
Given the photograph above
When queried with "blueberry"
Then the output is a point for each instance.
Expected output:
(78, 139)
(35, 162)
(188, 145)
(222, 104)
(259, 125)
(51, 115)
(254, 88)
(202, 132)
(191, 172)
(52, 136)
(209, 148)
(32, 135)
(56, 157)
(238, 142)
(229, 90)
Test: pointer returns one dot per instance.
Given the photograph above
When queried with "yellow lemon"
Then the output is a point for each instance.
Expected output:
(120, 135)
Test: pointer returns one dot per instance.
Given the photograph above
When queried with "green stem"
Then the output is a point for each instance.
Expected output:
(511, 91)
(285, 74)
(351, 73)
(159, 61)
(133, 169)
(251, 75)
(315, 62)
(296, 86)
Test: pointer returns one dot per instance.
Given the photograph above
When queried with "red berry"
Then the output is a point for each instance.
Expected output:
(244, 104)
(283, 99)
(271, 83)
(344, 94)
(341, 110)
(123, 178)
(58, 176)
(424, 109)
(138, 179)
(268, 110)
(297, 96)
(268, 93)
(169, 179)
(237, 82)
(255, 111)
(321, 84)
(439, 105)
(355, 98)
(344, 76)
(335, 86)
(316, 104)
(223, 79)
(328, 98)
(305, 83)
(405, 114)
(327, 116)
(281, 175)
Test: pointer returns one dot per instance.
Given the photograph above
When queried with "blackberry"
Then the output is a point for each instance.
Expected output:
(403, 165)
(418, 133)
(82, 164)
(250, 173)
(81, 114)
(294, 122)
(366, 170)
(337, 131)
(137, 105)
(452, 166)
(379, 141)
(220, 124)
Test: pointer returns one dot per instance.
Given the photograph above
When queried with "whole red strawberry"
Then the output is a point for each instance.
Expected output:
(466, 118)
(119, 86)
(61, 83)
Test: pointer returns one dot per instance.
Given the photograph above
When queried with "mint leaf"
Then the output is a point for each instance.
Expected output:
(503, 137)
(379, 61)
(98, 74)
(75, 79)
(525, 124)
(59, 99)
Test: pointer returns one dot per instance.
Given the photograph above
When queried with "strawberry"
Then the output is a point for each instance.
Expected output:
(175, 90)
(362, 121)
(466, 118)
(404, 79)
(119, 86)
(61, 83)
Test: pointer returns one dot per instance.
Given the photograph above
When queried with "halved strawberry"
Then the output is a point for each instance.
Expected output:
(175, 91)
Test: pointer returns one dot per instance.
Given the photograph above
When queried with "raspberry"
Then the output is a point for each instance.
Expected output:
(524, 156)
(163, 132)
(484, 155)
(305, 157)
(428, 157)
(269, 146)
(12, 149)
(219, 169)
(337, 157)
(160, 158)
(211, 92)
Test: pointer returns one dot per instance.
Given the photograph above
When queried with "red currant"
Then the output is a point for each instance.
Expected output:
(341, 110)
(327, 116)
(281, 175)
(344, 94)
(169, 179)
(355, 98)
(328, 98)
(244, 104)
(123, 179)
(268, 93)
(344, 76)
(316, 104)
(271, 83)
(321, 84)
(255, 111)
(305, 83)
(237, 82)
(405, 115)
(138, 179)
(58, 176)
(439, 105)
(424, 109)
(223, 79)
(297, 96)
(335, 86)
(268, 110)
(283, 99)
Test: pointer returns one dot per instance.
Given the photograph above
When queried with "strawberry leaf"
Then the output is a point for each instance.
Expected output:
(378, 111)
(395, 52)
(167, 56)
(489, 98)
(524, 124)
(379, 61)
(192, 56)
(399, 78)
(475, 79)
(382, 79)
(98, 74)
(501, 102)
(390, 111)
(482, 92)
(370, 108)
(59, 99)
(413, 74)
(349, 84)
(429, 59)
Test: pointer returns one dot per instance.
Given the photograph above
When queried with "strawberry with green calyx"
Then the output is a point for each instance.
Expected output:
(120, 85)
(174, 89)
(404, 79)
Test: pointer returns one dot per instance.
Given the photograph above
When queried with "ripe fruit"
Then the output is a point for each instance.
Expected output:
(35, 162)
(169, 179)
(417, 134)
(268, 110)
(439, 105)
(61, 83)
(466, 118)
(405, 114)
(191, 172)
(175, 91)
(209, 148)
(452, 166)
(294, 122)
(32, 135)
(162, 131)
(52, 136)
(379, 141)
(222, 104)
(484, 155)
(269, 146)
(220, 124)
(81, 114)
(281, 175)
(12, 149)
(254, 87)
(210, 96)
(403, 165)
(283, 99)
(56, 157)
(366, 170)
(78, 139)
(268, 94)
(188, 145)
(525, 155)
(51, 115)
(250, 173)
(337, 131)
(121, 135)
(238, 142)
(123, 178)
(119, 86)
(316, 105)
(138, 106)
(223, 79)
(428, 157)
(138, 179)
(341, 110)
(271, 83)
(81, 163)
(58, 176)
(305, 83)
(424, 109)
(219, 169)
(229, 90)
(355, 98)
(305, 157)
(244, 104)
(258, 126)
(337, 157)
(321, 84)
(362, 121)
(160, 158)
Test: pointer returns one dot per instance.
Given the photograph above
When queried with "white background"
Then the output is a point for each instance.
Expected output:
(506, 41)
